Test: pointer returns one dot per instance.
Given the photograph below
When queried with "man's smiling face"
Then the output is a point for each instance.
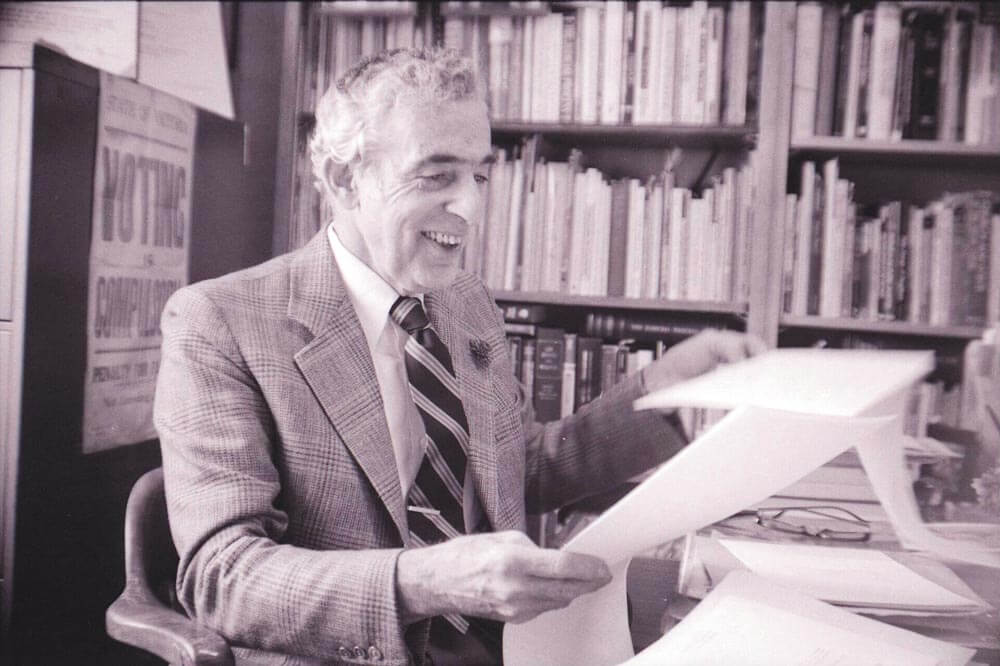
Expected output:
(425, 188)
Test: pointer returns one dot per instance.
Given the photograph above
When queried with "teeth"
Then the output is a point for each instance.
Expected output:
(443, 239)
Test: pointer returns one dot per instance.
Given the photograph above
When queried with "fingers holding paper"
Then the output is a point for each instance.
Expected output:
(699, 354)
(501, 576)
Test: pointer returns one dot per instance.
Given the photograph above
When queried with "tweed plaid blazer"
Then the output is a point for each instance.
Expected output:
(281, 482)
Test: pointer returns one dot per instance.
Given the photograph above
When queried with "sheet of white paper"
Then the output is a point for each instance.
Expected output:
(101, 34)
(886, 469)
(842, 575)
(747, 620)
(747, 456)
(182, 51)
(838, 382)
(813, 381)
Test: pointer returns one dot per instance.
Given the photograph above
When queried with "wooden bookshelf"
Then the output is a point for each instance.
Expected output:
(881, 327)
(685, 136)
(614, 302)
(906, 152)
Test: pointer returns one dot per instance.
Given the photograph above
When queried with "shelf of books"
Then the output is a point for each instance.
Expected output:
(660, 136)
(619, 303)
(897, 328)
(907, 151)
(891, 222)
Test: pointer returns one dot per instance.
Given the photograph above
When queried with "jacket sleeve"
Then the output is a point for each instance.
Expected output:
(602, 445)
(235, 575)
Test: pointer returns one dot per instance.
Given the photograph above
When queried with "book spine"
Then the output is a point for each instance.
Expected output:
(803, 228)
(788, 253)
(915, 266)
(653, 244)
(737, 63)
(679, 208)
(611, 81)
(568, 388)
(816, 245)
(515, 348)
(885, 55)
(634, 239)
(850, 126)
(588, 370)
(627, 93)
(754, 64)
(950, 88)
(528, 313)
(808, 37)
(609, 366)
(715, 28)
(928, 38)
(500, 36)
(850, 238)
(590, 52)
(829, 296)
(618, 247)
(827, 72)
(901, 270)
(516, 66)
(843, 67)
(671, 41)
(527, 68)
(979, 87)
(567, 80)
(666, 238)
(549, 358)
(993, 290)
(905, 75)
(528, 353)
(864, 73)
(646, 37)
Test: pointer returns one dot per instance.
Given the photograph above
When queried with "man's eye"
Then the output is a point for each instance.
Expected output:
(481, 179)
(436, 179)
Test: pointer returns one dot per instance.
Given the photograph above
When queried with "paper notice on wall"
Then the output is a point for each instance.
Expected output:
(101, 34)
(138, 255)
(182, 51)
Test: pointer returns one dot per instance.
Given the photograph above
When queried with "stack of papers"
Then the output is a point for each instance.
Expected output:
(859, 579)
(748, 620)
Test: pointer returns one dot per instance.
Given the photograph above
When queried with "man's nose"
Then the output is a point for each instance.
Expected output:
(467, 200)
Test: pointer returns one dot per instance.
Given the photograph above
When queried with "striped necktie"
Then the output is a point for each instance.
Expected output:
(434, 503)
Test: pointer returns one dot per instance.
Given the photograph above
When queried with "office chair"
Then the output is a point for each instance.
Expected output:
(145, 615)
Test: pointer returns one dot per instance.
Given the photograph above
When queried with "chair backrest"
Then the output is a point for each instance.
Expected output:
(150, 556)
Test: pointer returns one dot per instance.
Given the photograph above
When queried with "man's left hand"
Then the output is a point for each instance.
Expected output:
(699, 354)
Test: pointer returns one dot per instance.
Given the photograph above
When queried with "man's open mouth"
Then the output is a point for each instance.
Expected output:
(445, 240)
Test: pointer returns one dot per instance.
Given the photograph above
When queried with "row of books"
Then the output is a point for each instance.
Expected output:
(937, 263)
(556, 226)
(633, 63)
(563, 371)
(897, 71)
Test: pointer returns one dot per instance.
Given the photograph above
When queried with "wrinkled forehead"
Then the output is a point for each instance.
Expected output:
(415, 132)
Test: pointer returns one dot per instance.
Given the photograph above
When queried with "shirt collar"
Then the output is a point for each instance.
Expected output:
(371, 295)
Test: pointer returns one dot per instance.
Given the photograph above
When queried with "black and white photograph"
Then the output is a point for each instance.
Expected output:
(538, 333)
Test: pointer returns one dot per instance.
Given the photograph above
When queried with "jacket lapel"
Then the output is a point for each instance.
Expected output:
(448, 314)
(337, 365)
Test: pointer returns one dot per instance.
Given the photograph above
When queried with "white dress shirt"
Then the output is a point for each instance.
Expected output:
(372, 298)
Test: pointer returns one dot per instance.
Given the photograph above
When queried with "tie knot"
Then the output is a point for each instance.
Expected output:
(409, 313)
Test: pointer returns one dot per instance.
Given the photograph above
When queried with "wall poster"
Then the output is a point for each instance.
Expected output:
(138, 253)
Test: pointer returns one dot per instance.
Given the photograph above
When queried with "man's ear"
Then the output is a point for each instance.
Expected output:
(339, 179)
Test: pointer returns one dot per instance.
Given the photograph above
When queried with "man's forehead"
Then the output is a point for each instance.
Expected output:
(450, 158)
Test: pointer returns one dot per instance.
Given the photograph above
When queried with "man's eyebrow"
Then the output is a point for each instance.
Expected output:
(447, 158)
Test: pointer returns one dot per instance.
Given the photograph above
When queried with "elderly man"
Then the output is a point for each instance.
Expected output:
(347, 470)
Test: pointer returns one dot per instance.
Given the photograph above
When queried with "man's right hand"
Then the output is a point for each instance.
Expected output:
(501, 576)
